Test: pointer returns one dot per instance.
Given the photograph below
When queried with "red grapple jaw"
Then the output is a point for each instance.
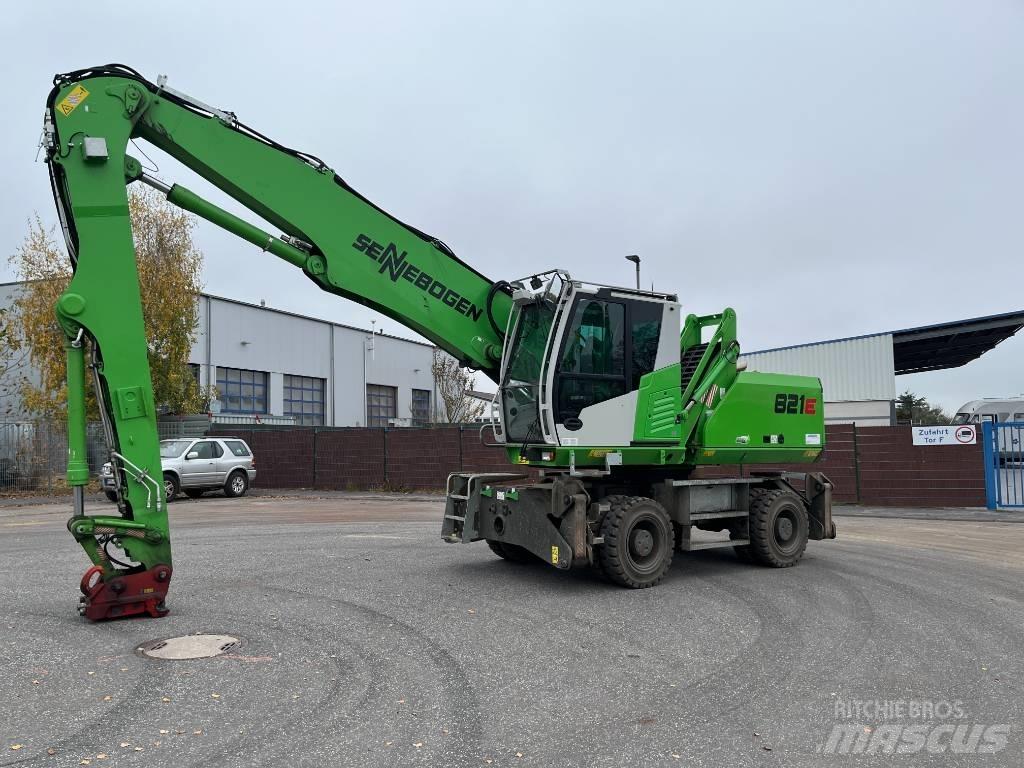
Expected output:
(133, 594)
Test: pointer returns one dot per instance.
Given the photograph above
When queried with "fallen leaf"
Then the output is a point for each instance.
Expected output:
(418, 744)
(124, 669)
(164, 730)
(388, 743)
(214, 695)
(197, 733)
(16, 747)
(125, 744)
(101, 756)
(180, 733)
(157, 743)
(444, 731)
(401, 701)
(675, 756)
(165, 700)
(756, 733)
(92, 673)
(488, 760)
(519, 754)
(470, 611)
(766, 748)
(108, 698)
(138, 749)
(51, 751)
(35, 682)
(83, 761)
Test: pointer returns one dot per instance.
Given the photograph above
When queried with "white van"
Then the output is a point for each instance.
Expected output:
(1010, 410)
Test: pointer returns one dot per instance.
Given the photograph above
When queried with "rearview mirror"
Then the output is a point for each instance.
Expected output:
(192, 455)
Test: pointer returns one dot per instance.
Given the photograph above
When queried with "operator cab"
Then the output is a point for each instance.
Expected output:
(574, 356)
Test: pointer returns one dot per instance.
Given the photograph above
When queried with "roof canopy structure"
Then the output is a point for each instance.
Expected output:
(950, 345)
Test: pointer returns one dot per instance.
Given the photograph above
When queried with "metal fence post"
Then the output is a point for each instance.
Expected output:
(856, 465)
(991, 466)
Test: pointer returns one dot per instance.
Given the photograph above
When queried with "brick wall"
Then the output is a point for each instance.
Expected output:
(867, 465)
(880, 466)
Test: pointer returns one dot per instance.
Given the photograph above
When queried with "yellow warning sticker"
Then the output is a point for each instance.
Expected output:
(554, 555)
(598, 453)
(68, 103)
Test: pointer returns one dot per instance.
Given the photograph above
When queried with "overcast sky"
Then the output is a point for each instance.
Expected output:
(828, 169)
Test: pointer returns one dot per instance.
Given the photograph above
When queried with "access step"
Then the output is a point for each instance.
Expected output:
(718, 515)
(692, 546)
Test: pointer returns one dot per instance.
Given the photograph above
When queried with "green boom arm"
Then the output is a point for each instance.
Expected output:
(343, 243)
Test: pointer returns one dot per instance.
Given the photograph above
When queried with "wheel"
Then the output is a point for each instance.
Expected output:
(111, 496)
(778, 527)
(638, 542)
(194, 493)
(511, 552)
(171, 486)
(237, 484)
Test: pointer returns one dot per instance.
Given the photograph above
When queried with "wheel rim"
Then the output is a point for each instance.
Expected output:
(237, 484)
(786, 529)
(168, 488)
(645, 544)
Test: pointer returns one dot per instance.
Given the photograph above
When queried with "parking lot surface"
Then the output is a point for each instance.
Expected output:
(366, 641)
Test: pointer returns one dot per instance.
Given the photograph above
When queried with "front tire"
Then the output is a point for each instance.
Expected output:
(237, 484)
(778, 527)
(638, 542)
(511, 552)
(171, 486)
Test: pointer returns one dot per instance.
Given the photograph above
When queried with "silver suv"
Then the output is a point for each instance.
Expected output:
(197, 465)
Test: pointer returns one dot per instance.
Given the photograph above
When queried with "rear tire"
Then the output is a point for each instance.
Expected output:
(639, 540)
(171, 486)
(511, 552)
(236, 485)
(778, 527)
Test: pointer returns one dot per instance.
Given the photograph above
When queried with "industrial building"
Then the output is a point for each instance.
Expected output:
(858, 374)
(272, 366)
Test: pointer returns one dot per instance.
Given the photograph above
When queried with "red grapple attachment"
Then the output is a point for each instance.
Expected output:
(129, 595)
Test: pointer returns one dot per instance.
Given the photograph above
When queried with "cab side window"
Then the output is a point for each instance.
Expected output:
(207, 449)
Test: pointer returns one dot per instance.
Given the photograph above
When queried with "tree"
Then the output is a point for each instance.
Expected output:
(454, 385)
(169, 268)
(9, 360)
(911, 409)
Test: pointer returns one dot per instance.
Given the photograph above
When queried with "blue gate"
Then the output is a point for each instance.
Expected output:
(1004, 464)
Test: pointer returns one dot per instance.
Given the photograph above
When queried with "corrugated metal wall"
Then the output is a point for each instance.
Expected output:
(852, 369)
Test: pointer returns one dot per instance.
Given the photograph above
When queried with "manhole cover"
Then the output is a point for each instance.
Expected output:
(189, 647)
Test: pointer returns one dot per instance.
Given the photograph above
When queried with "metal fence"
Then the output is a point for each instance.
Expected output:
(34, 454)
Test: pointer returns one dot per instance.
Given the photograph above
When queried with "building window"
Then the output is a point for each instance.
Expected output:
(242, 391)
(304, 399)
(421, 407)
(381, 405)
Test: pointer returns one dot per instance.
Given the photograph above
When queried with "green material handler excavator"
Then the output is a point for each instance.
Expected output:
(607, 403)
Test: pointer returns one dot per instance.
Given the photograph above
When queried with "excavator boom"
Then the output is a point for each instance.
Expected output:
(344, 243)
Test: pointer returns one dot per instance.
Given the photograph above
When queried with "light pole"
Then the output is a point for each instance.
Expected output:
(636, 260)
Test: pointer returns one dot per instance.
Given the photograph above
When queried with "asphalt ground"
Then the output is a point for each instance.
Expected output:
(366, 641)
